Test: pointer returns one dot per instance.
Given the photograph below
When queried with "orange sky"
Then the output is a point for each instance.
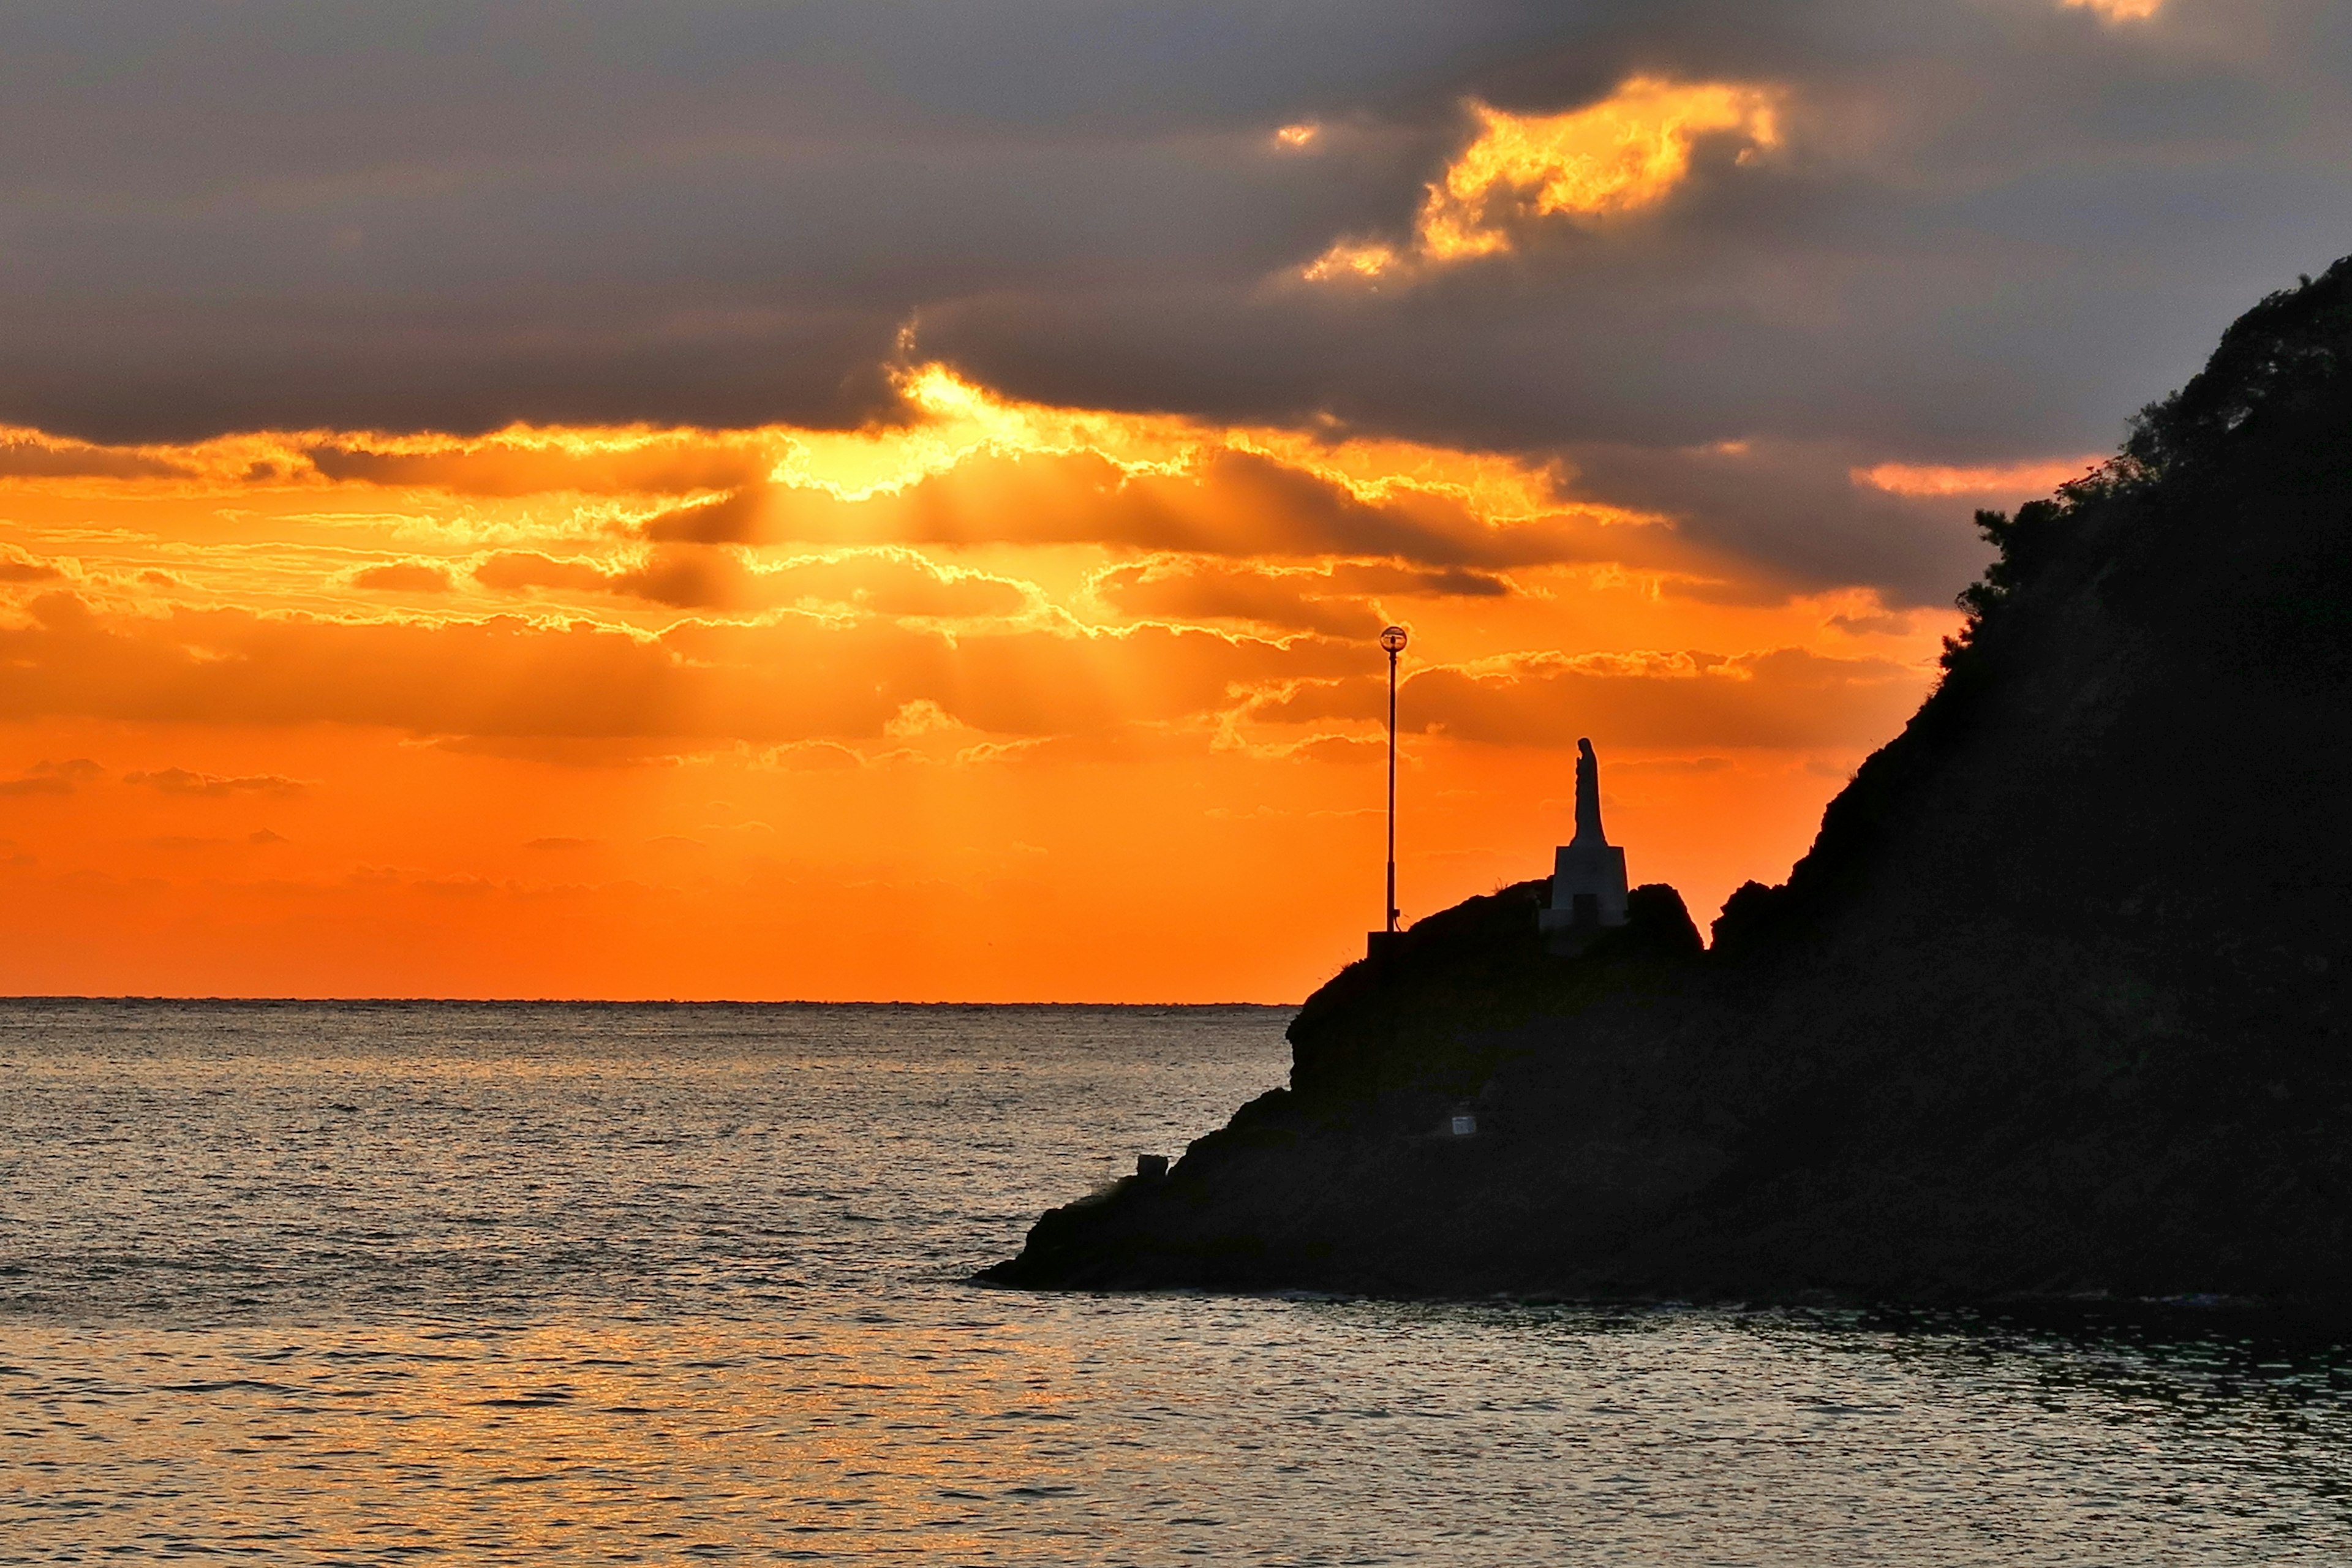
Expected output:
(1000, 702)
(987, 699)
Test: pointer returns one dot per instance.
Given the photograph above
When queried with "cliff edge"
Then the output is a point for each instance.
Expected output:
(2056, 1003)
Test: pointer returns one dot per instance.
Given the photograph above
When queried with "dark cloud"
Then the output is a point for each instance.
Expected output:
(1990, 230)
(1796, 511)
(53, 778)
(49, 459)
(1379, 577)
(676, 464)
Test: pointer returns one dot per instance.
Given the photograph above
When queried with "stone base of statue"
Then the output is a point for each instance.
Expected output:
(1588, 897)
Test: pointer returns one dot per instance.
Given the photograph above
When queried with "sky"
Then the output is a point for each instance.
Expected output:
(853, 502)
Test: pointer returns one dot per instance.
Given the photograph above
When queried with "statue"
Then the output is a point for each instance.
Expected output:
(1587, 877)
(1588, 795)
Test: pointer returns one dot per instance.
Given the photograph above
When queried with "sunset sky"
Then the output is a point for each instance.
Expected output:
(868, 501)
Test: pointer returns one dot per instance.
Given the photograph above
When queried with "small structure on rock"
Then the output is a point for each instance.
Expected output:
(1588, 873)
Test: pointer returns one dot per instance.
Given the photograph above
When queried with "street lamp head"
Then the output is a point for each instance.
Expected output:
(1392, 639)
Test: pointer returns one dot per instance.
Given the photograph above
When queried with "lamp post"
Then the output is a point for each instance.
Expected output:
(1392, 639)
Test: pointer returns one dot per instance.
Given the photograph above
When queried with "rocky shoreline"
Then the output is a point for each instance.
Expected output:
(2054, 1006)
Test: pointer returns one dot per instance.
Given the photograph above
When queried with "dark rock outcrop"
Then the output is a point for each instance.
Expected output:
(2055, 1003)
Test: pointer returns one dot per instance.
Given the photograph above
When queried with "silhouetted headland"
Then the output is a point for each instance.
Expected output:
(2053, 1005)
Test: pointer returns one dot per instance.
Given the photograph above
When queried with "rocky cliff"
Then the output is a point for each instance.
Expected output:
(2055, 1003)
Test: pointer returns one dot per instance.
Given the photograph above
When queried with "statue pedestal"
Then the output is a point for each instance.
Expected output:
(1587, 891)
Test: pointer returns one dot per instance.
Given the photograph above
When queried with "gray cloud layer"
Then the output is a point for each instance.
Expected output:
(1994, 228)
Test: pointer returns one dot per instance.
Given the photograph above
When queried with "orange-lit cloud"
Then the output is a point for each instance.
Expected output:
(523, 461)
(46, 777)
(911, 529)
(182, 782)
(994, 700)
(404, 577)
(1620, 155)
(1341, 599)
(1787, 697)
(17, 570)
(2012, 479)
(1356, 262)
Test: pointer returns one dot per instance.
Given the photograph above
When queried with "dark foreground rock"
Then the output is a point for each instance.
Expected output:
(2054, 1005)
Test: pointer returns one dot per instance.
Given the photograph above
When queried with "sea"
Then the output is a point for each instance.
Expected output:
(473, 1283)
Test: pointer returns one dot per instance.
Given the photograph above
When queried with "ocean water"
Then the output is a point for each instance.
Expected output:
(482, 1284)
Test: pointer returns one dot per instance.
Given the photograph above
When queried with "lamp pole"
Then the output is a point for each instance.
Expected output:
(1392, 639)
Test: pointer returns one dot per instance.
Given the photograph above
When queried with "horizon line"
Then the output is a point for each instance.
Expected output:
(8, 998)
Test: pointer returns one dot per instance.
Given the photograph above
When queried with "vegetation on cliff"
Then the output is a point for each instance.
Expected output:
(2056, 1002)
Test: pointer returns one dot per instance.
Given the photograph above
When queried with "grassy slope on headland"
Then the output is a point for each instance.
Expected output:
(2054, 1004)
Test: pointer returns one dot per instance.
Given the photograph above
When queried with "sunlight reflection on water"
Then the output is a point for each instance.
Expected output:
(493, 1284)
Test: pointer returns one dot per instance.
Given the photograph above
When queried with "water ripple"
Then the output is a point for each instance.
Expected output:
(491, 1285)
